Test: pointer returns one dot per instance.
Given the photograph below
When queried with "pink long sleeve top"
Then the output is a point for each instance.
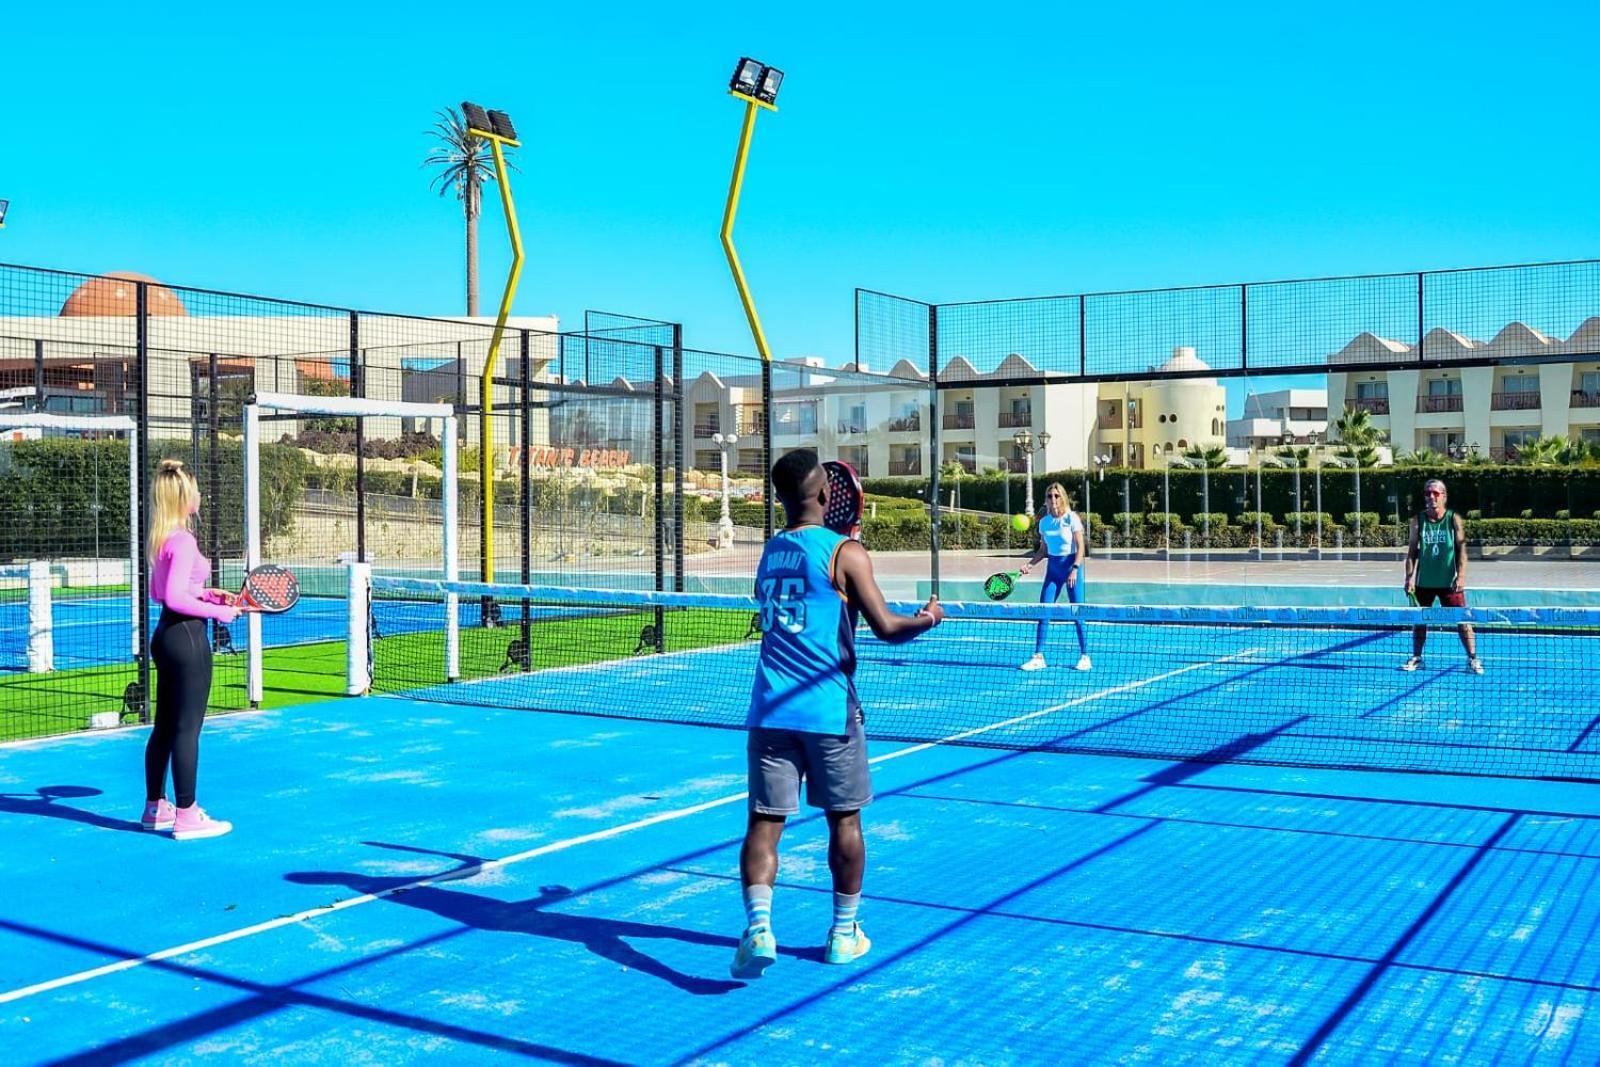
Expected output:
(179, 579)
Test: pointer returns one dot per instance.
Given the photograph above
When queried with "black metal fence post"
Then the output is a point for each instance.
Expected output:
(678, 448)
(141, 581)
(933, 444)
(358, 389)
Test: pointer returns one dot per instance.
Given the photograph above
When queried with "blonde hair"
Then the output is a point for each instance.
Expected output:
(174, 495)
(1061, 491)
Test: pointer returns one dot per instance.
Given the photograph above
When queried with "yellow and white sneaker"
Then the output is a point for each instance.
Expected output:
(846, 946)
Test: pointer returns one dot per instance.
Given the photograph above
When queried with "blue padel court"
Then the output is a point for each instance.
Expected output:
(465, 878)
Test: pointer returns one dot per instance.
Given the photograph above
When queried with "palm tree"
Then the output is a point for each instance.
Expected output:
(1545, 452)
(1359, 437)
(1214, 457)
(468, 166)
(1422, 457)
(1294, 457)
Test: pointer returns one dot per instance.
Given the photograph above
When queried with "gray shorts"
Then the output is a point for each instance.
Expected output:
(834, 768)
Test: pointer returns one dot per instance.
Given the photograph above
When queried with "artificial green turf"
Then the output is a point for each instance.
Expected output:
(38, 705)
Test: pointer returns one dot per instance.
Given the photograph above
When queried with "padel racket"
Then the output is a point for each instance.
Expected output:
(269, 588)
(999, 586)
(844, 499)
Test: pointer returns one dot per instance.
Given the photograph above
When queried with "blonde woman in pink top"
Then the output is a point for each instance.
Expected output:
(181, 649)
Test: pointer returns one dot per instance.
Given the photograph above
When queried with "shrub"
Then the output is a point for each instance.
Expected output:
(1366, 520)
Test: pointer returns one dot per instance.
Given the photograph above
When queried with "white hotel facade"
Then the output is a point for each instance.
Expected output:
(1492, 409)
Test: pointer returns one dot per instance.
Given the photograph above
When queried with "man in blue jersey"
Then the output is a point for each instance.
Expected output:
(805, 721)
(1061, 542)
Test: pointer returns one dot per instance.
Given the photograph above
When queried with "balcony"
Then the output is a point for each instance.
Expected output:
(905, 466)
(750, 423)
(1372, 405)
(846, 426)
(1109, 422)
(1014, 466)
(795, 429)
(1013, 419)
(749, 466)
(1581, 399)
(905, 424)
(1504, 455)
(1528, 401)
(1435, 405)
(960, 421)
(706, 429)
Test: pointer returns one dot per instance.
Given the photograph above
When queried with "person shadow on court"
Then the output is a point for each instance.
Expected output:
(44, 801)
(608, 938)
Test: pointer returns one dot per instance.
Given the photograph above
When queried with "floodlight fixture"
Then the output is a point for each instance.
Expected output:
(502, 125)
(756, 82)
(477, 118)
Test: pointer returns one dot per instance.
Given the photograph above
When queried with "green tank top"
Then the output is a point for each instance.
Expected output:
(1436, 568)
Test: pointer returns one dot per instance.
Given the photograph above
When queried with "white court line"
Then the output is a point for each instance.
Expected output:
(545, 850)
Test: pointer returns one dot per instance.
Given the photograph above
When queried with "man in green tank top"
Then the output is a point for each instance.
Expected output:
(1436, 569)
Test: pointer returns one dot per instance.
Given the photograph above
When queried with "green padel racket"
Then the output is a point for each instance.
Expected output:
(999, 586)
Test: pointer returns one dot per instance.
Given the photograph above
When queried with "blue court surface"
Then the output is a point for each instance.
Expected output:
(412, 880)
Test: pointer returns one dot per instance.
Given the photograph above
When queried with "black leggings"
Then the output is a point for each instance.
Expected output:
(182, 655)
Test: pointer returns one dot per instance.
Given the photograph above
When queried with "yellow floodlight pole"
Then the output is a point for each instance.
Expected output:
(494, 127)
(751, 108)
(757, 85)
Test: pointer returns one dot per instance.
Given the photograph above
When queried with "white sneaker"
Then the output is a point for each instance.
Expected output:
(1083, 663)
(1475, 665)
(1037, 663)
(1412, 664)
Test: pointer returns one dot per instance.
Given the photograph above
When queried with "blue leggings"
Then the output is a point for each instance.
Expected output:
(1055, 580)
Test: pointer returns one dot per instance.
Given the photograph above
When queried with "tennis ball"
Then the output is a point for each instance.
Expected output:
(1020, 523)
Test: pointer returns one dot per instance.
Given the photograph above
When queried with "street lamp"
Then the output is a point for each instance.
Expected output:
(1263, 461)
(724, 442)
(1170, 461)
(1294, 459)
(1100, 462)
(1028, 444)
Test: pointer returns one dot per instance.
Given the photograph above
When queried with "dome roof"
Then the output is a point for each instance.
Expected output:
(1183, 361)
(116, 294)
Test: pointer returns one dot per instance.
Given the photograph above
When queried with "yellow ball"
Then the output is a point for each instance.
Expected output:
(1020, 523)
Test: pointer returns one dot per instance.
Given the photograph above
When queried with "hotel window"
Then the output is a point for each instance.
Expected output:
(1444, 387)
(1520, 383)
(1372, 390)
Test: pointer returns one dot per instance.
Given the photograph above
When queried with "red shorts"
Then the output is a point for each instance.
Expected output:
(1447, 598)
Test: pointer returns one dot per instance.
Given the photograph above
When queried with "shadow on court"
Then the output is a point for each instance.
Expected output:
(43, 802)
(607, 938)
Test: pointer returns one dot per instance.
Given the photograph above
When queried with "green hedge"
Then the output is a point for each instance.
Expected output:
(68, 496)
(1495, 491)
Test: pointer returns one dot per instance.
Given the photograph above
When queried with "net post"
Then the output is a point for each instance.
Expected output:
(452, 567)
(252, 547)
(41, 633)
(358, 649)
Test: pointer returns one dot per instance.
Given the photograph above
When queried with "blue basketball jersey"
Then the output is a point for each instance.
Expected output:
(808, 656)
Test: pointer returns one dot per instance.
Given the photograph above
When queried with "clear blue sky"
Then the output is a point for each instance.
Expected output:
(942, 152)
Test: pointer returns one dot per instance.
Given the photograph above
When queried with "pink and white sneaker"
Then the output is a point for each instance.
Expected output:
(192, 823)
(158, 815)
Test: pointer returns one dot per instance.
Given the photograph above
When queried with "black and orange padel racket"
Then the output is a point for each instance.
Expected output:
(844, 499)
(270, 589)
